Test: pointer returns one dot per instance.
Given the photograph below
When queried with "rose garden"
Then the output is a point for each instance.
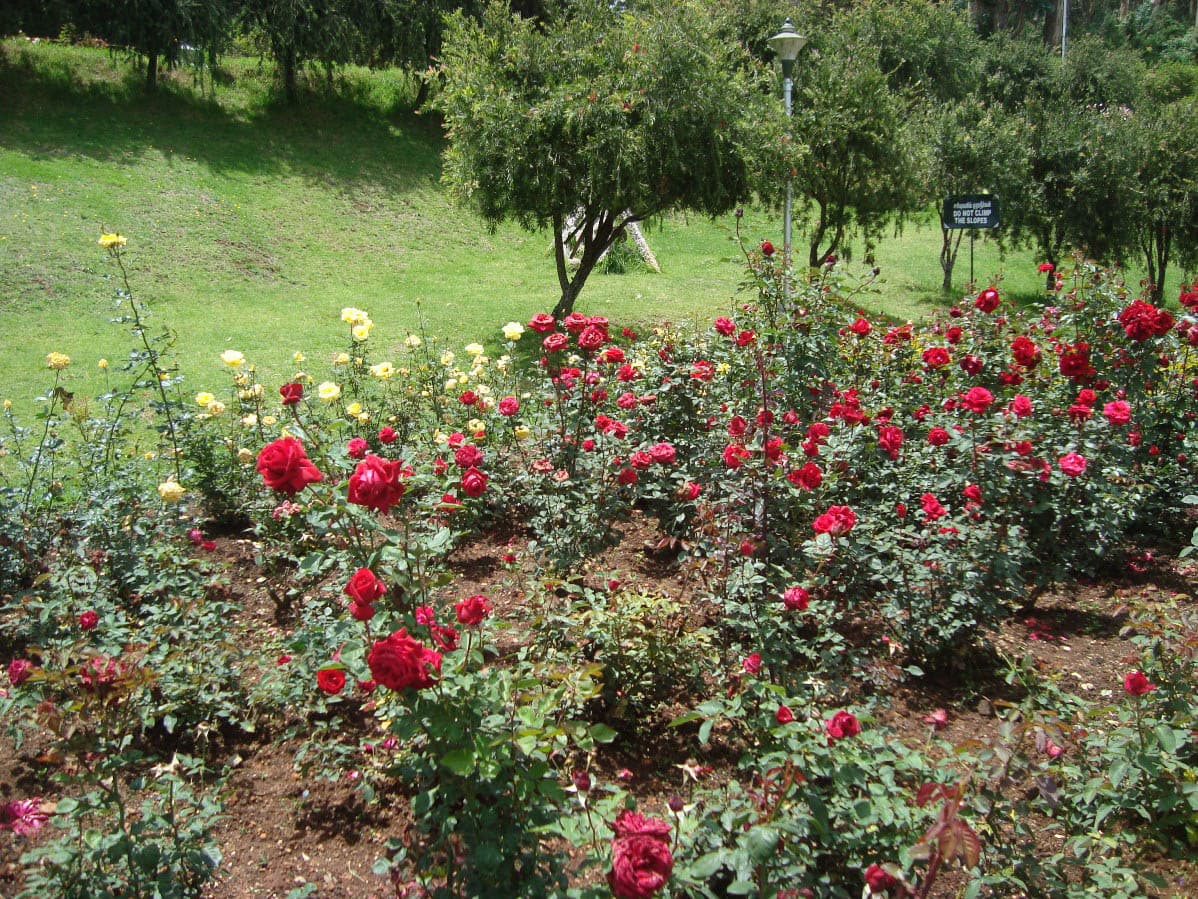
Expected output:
(851, 505)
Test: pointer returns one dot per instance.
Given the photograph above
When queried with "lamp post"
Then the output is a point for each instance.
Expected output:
(787, 43)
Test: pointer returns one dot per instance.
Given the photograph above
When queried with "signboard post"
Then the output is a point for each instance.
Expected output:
(972, 212)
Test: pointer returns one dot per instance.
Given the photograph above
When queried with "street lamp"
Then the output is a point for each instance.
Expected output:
(787, 43)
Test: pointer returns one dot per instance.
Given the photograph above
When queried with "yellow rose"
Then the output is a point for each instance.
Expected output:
(298, 357)
(352, 316)
(361, 331)
(328, 391)
(522, 432)
(413, 341)
(269, 420)
(232, 358)
(204, 398)
(171, 491)
(249, 420)
(58, 361)
(354, 409)
(216, 407)
(475, 349)
(102, 364)
(341, 359)
(110, 241)
(447, 358)
(7, 404)
(512, 331)
(383, 370)
(364, 417)
(245, 456)
(476, 426)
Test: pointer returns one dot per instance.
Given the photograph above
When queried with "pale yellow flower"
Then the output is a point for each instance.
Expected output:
(150, 456)
(475, 349)
(216, 407)
(249, 420)
(250, 392)
(171, 491)
(328, 391)
(487, 403)
(245, 456)
(383, 370)
(723, 368)
(451, 385)
(204, 398)
(298, 357)
(109, 241)
(354, 409)
(502, 362)
(361, 331)
(413, 341)
(7, 404)
(522, 432)
(269, 420)
(102, 364)
(232, 358)
(476, 426)
(341, 359)
(447, 358)
(352, 316)
(58, 361)
(439, 437)
(512, 331)
(364, 417)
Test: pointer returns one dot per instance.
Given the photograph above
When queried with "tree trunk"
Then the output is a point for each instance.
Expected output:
(948, 254)
(289, 76)
(151, 71)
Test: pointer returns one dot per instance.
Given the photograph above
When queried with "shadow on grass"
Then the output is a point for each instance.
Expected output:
(327, 137)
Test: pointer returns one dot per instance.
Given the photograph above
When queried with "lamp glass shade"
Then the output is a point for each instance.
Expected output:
(787, 43)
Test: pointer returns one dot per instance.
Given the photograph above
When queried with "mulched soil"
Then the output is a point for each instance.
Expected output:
(282, 831)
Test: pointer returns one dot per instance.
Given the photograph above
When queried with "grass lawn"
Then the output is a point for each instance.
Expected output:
(251, 224)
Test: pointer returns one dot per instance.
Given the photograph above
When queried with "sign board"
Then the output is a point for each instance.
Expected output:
(970, 211)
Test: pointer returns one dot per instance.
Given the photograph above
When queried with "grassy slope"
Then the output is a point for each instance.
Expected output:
(251, 224)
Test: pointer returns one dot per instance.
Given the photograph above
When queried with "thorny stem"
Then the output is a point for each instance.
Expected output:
(37, 457)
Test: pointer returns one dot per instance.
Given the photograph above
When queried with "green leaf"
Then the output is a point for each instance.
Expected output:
(761, 841)
(459, 761)
(601, 733)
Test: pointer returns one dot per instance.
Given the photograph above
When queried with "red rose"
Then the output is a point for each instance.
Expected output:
(1072, 464)
(931, 507)
(468, 398)
(663, 453)
(626, 476)
(1137, 684)
(1025, 352)
(734, 455)
(292, 393)
(574, 322)
(1075, 361)
(744, 338)
(285, 467)
(953, 335)
(542, 322)
(796, 599)
(1021, 406)
(1117, 412)
(689, 492)
(641, 859)
(987, 300)
(364, 586)
(841, 725)
(1045, 267)
(640, 460)
(784, 715)
(836, 522)
(399, 662)
(376, 483)
(809, 477)
(19, 671)
(89, 620)
(938, 436)
(878, 879)
(361, 611)
(472, 610)
(752, 663)
(591, 338)
(890, 440)
(509, 406)
(971, 364)
(555, 342)
(474, 482)
(468, 456)
(1142, 320)
(331, 680)
(356, 448)
(725, 326)
(936, 357)
(387, 435)
(861, 327)
(767, 248)
(977, 400)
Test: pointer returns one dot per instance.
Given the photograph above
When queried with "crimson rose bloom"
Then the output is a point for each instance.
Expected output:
(1072, 464)
(938, 436)
(356, 448)
(735, 455)
(542, 322)
(878, 879)
(399, 662)
(387, 435)
(472, 610)
(987, 300)
(376, 483)
(1025, 352)
(725, 326)
(841, 725)
(468, 456)
(796, 599)
(591, 338)
(361, 611)
(364, 586)
(808, 477)
(1117, 412)
(331, 680)
(285, 467)
(767, 248)
(474, 482)
(89, 619)
(1137, 684)
(663, 453)
(932, 509)
(292, 393)
(509, 406)
(1075, 361)
(977, 399)
(936, 357)
(574, 322)
(890, 440)
(837, 521)
(641, 859)
(1142, 320)
(861, 327)
(19, 671)
(555, 342)
(784, 715)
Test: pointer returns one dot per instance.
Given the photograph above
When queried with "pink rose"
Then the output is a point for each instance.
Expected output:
(509, 406)
(1072, 464)
(89, 620)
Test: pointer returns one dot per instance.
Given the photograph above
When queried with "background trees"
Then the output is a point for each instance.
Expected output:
(595, 119)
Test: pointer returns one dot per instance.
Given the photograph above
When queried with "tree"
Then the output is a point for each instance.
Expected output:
(1166, 226)
(301, 31)
(598, 117)
(856, 169)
